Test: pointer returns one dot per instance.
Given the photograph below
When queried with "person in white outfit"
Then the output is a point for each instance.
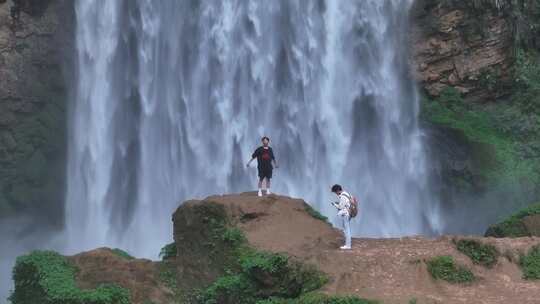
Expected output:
(343, 211)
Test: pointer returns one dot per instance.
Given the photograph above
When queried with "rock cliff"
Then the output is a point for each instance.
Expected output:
(33, 46)
(463, 45)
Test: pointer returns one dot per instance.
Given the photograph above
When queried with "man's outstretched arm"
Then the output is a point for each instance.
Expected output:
(253, 156)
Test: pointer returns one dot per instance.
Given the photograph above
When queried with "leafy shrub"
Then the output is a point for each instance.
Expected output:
(262, 275)
(46, 277)
(263, 262)
(229, 289)
(314, 213)
(444, 268)
(482, 254)
(121, 253)
(168, 251)
(234, 236)
(530, 264)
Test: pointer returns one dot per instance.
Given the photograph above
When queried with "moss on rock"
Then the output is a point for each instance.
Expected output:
(47, 277)
(494, 156)
(517, 225)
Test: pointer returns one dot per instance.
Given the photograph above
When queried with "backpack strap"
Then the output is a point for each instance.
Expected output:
(347, 195)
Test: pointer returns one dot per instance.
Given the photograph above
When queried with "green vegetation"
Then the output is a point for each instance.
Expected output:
(233, 236)
(503, 137)
(314, 213)
(494, 152)
(121, 253)
(530, 264)
(413, 301)
(168, 251)
(513, 226)
(260, 275)
(444, 268)
(482, 254)
(47, 277)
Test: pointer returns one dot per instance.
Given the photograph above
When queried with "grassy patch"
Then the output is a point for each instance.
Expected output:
(530, 264)
(168, 251)
(444, 268)
(482, 254)
(46, 277)
(123, 254)
(513, 225)
(314, 213)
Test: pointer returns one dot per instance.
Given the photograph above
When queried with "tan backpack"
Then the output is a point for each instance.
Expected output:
(353, 206)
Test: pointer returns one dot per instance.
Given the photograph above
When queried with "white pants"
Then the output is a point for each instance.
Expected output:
(347, 229)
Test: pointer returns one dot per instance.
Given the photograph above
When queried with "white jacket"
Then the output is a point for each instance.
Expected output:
(344, 204)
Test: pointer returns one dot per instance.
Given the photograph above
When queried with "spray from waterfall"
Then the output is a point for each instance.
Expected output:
(172, 97)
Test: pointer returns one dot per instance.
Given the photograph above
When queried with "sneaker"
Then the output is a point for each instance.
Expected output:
(268, 192)
(260, 193)
(345, 247)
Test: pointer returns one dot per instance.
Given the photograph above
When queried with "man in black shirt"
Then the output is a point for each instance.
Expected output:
(265, 158)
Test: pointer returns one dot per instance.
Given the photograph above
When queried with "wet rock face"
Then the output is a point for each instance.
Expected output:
(33, 107)
(456, 44)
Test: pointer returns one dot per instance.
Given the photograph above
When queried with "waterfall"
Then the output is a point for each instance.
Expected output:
(172, 97)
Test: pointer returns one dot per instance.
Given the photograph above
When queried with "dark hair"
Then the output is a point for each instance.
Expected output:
(336, 188)
(265, 137)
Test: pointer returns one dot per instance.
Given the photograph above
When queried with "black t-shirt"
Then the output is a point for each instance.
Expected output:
(264, 157)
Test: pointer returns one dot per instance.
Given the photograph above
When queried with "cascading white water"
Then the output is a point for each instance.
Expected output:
(173, 96)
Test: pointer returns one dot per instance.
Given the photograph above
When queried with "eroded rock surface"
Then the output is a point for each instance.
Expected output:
(455, 44)
(33, 49)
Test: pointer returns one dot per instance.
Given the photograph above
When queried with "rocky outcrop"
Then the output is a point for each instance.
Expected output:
(33, 107)
(525, 222)
(463, 45)
(266, 234)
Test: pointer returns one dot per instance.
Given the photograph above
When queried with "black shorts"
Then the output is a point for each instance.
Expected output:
(265, 173)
